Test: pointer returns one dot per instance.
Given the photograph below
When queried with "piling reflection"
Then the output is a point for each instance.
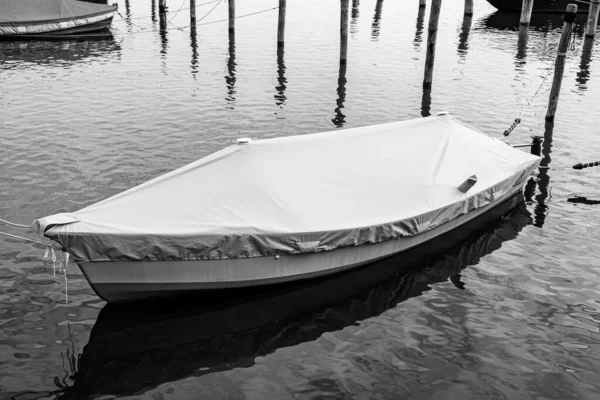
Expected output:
(135, 347)
(340, 118)
(230, 78)
(354, 17)
(543, 22)
(127, 10)
(521, 57)
(194, 44)
(280, 97)
(419, 29)
(375, 29)
(153, 13)
(529, 191)
(583, 76)
(463, 37)
(164, 40)
(543, 179)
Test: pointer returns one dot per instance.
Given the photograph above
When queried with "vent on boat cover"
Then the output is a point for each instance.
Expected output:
(468, 184)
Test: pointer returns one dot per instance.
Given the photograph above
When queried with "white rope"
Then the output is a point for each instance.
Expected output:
(180, 8)
(181, 28)
(167, 12)
(26, 239)
(13, 224)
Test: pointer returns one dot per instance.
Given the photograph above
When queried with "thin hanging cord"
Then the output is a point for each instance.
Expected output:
(211, 10)
(181, 28)
(131, 23)
(180, 8)
(241, 16)
(13, 224)
(517, 120)
(537, 91)
(167, 12)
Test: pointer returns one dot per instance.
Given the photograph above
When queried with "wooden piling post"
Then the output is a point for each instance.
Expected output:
(592, 20)
(281, 23)
(536, 145)
(344, 31)
(422, 3)
(162, 6)
(559, 66)
(434, 18)
(193, 13)
(231, 16)
(468, 7)
(426, 102)
(526, 8)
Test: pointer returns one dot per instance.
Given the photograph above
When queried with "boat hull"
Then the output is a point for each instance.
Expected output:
(136, 280)
(84, 24)
(545, 6)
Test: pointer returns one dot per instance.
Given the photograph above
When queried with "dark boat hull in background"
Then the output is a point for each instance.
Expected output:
(546, 6)
(41, 18)
(100, 30)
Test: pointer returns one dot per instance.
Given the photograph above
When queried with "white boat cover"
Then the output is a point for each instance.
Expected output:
(37, 16)
(298, 194)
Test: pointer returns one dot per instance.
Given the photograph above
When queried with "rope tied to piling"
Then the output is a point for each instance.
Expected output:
(516, 122)
(586, 165)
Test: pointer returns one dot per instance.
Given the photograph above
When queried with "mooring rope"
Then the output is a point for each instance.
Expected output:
(586, 165)
(517, 120)
(166, 12)
(180, 8)
(26, 239)
(144, 30)
(131, 23)
(242, 16)
(211, 10)
(13, 224)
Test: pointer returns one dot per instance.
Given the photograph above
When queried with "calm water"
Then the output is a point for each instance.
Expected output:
(80, 121)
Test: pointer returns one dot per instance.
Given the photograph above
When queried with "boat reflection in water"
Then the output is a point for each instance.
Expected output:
(546, 6)
(66, 51)
(543, 22)
(136, 347)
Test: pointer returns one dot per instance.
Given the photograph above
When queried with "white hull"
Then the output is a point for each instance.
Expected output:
(131, 280)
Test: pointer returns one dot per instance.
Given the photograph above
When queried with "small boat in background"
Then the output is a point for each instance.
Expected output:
(545, 6)
(290, 208)
(52, 18)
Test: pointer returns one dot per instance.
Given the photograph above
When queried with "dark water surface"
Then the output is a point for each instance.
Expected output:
(80, 121)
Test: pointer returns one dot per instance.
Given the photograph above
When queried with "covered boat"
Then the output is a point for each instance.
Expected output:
(55, 17)
(541, 6)
(289, 208)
